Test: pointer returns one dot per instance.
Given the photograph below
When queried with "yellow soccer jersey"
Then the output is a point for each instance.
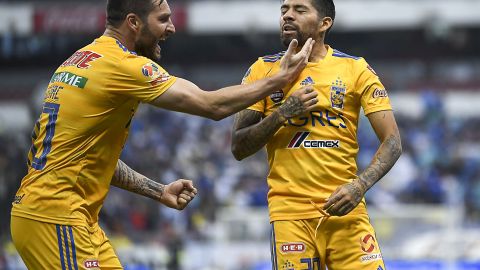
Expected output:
(313, 154)
(77, 140)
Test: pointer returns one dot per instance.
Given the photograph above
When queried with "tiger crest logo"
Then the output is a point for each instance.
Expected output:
(337, 93)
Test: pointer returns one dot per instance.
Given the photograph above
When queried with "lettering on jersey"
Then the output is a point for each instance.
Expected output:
(379, 93)
(300, 139)
(380, 267)
(277, 96)
(81, 59)
(367, 243)
(322, 118)
(52, 92)
(91, 264)
(246, 75)
(372, 70)
(70, 79)
(371, 257)
(307, 81)
(18, 199)
(297, 247)
(153, 72)
(288, 265)
(337, 93)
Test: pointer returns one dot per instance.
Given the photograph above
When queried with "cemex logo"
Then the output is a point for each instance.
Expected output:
(300, 139)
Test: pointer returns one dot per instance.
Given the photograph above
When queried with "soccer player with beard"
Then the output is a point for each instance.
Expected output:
(78, 138)
(317, 210)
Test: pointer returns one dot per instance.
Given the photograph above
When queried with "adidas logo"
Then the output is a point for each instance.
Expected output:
(307, 81)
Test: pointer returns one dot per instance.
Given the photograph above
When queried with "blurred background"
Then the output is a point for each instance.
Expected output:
(426, 211)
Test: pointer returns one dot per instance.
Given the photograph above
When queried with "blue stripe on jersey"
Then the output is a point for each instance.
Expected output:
(274, 249)
(65, 240)
(340, 54)
(74, 252)
(273, 58)
(60, 249)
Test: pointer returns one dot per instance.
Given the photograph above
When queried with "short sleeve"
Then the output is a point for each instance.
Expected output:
(254, 73)
(374, 96)
(140, 78)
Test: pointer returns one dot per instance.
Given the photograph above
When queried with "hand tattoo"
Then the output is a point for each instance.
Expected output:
(128, 179)
(292, 107)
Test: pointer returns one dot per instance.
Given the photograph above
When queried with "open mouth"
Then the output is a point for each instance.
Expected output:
(289, 29)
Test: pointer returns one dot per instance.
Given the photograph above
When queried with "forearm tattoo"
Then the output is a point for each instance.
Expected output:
(386, 156)
(250, 135)
(292, 107)
(128, 179)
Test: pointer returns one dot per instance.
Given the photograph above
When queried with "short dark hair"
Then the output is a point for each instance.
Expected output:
(325, 8)
(117, 10)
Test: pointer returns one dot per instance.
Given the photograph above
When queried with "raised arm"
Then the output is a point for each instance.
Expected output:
(174, 195)
(250, 133)
(347, 197)
(184, 96)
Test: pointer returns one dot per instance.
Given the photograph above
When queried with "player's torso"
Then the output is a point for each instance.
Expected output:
(77, 138)
(312, 154)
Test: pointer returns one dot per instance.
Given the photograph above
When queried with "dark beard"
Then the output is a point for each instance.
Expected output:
(301, 38)
(146, 45)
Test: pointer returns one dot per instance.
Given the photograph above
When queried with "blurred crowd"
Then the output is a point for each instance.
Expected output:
(439, 153)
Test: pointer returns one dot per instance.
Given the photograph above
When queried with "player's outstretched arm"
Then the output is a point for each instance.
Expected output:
(347, 197)
(184, 96)
(175, 195)
(250, 133)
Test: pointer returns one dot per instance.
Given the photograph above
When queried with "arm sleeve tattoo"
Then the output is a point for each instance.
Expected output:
(386, 156)
(251, 133)
(128, 179)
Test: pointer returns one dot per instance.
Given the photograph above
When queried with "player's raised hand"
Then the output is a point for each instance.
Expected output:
(344, 199)
(178, 194)
(301, 101)
(293, 63)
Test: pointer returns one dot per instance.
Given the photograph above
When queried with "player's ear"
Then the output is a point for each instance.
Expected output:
(133, 22)
(327, 22)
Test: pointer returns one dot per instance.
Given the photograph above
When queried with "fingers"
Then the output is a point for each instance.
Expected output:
(307, 49)
(292, 47)
(188, 185)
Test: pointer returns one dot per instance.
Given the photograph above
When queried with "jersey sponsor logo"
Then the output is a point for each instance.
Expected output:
(307, 81)
(367, 243)
(296, 247)
(18, 199)
(379, 93)
(371, 257)
(277, 96)
(81, 59)
(300, 139)
(337, 93)
(70, 79)
(52, 92)
(322, 118)
(91, 264)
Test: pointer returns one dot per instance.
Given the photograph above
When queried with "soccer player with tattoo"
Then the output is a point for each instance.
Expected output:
(316, 196)
(77, 140)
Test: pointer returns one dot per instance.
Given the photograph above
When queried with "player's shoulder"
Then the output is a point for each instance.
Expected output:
(273, 58)
(346, 57)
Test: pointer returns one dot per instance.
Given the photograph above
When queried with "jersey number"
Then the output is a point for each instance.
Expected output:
(39, 163)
